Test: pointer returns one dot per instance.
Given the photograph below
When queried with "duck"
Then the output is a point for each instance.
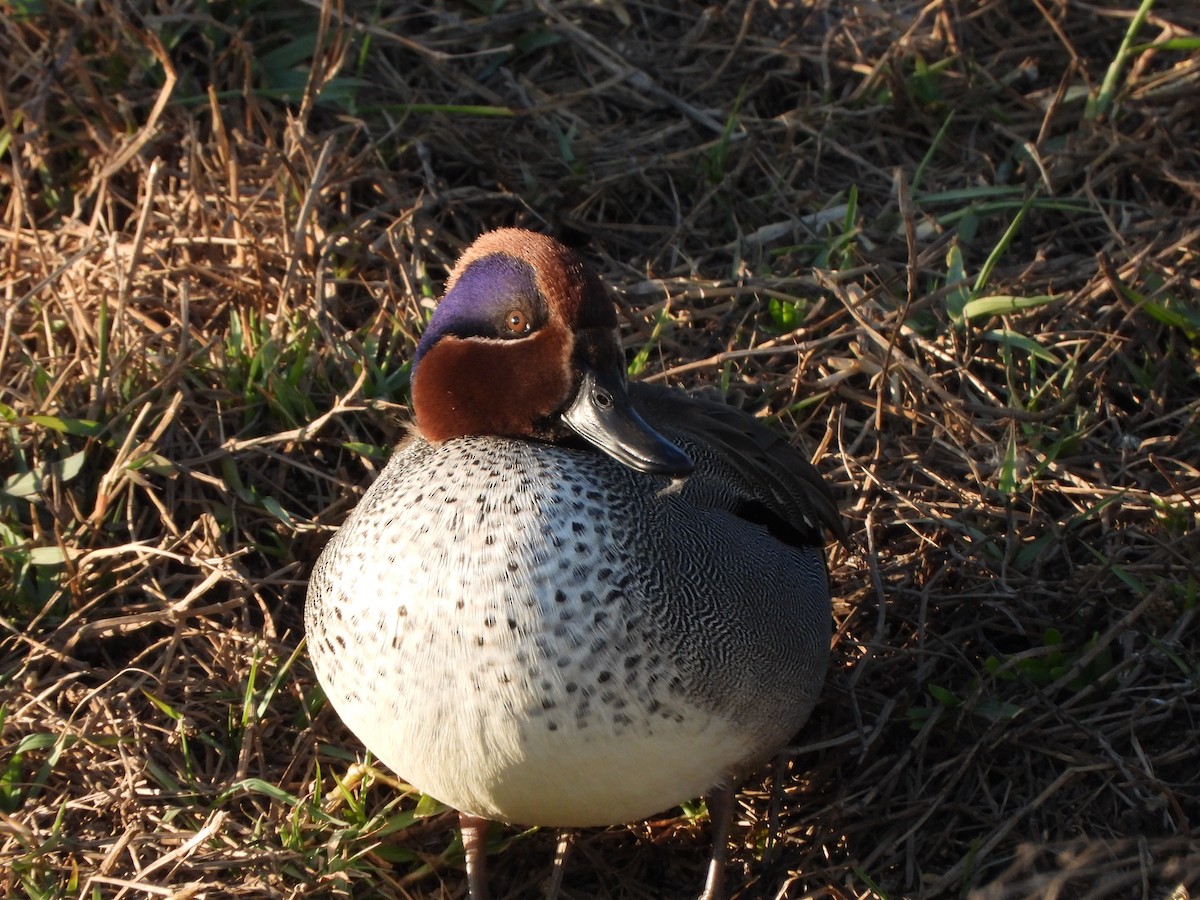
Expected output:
(571, 600)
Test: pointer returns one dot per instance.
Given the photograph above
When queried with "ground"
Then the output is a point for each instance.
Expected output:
(948, 248)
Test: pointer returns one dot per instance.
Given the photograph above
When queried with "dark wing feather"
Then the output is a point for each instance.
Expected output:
(771, 470)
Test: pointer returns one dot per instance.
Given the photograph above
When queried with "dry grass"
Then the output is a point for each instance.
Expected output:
(220, 244)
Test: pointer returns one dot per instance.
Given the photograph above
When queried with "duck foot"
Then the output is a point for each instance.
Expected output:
(474, 838)
(720, 812)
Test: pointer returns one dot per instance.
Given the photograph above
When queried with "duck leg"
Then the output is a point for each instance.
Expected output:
(474, 837)
(720, 812)
(566, 841)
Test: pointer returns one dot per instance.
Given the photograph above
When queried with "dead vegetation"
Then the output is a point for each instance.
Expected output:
(950, 247)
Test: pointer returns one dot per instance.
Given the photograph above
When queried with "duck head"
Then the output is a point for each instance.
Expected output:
(524, 344)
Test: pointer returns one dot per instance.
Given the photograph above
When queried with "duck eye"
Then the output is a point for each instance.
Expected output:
(516, 321)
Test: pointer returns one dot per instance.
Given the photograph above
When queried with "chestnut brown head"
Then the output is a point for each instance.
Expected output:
(524, 345)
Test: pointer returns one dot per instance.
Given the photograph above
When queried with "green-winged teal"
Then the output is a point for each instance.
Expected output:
(568, 600)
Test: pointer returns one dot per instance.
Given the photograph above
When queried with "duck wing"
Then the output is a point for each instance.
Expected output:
(777, 486)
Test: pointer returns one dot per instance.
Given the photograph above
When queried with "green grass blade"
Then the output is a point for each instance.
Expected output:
(1100, 105)
(1004, 304)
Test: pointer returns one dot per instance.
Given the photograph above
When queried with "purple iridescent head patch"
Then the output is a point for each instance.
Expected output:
(477, 304)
